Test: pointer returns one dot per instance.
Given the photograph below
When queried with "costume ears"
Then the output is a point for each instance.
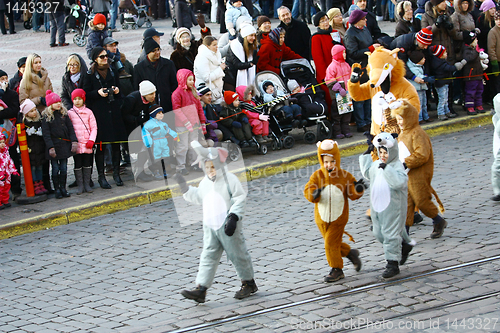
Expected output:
(394, 53)
(208, 153)
(394, 135)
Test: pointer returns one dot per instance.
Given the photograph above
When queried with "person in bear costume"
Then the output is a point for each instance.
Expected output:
(223, 199)
(415, 150)
(386, 84)
(388, 199)
(329, 188)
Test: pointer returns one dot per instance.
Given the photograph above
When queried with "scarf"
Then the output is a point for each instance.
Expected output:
(102, 70)
(75, 78)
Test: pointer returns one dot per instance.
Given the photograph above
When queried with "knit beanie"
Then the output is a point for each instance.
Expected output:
(230, 97)
(332, 13)
(436, 2)
(3, 73)
(261, 20)
(292, 85)
(317, 17)
(274, 35)
(154, 109)
(21, 62)
(51, 98)
(424, 36)
(267, 84)
(99, 18)
(497, 15)
(247, 30)
(78, 93)
(179, 33)
(149, 45)
(146, 87)
(416, 56)
(356, 16)
(437, 50)
(27, 106)
(487, 5)
(95, 52)
(202, 89)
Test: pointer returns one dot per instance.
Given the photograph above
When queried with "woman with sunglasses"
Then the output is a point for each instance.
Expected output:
(73, 78)
(102, 88)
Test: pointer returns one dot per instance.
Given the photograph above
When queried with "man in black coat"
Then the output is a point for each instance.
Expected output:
(409, 43)
(11, 99)
(298, 35)
(160, 71)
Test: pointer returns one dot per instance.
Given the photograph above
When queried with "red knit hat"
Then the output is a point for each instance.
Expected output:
(424, 36)
(437, 50)
(51, 98)
(78, 93)
(230, 97)
(99, 18)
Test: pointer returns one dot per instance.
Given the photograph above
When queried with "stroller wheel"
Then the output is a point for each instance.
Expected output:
(27, 25)
(324, 130)
(122, 19)
(149, 24)
(134, 26)
(288, 142)
(124, 26)
(263, 149)
(79, 40)
(310, 137)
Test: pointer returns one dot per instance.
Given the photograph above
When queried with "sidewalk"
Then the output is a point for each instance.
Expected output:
(30, 218)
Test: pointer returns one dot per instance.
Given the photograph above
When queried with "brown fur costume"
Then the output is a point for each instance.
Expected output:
(331, 209)
(420, 162)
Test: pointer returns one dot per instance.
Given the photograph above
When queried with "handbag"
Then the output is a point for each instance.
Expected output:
(8, 128)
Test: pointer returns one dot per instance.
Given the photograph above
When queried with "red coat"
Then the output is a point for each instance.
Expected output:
(271, 55)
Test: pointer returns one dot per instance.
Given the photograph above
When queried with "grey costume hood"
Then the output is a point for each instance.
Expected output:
(389, 142)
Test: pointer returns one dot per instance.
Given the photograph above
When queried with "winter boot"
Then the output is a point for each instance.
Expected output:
(87, 174)
(36, 186)
(79, 181)
(57, 191)
(471, 112)
(247, 288)
(335, 275)
(260, 139)
(99, 162)
(42, 188)
(62, 185)
(417, 218)
(392, 269)
(405, 252)
(198, 294)
(116, 168)
(353, 256)
(496, 197)
(439, 225)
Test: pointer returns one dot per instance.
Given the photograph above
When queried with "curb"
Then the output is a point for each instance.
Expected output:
(254, 172)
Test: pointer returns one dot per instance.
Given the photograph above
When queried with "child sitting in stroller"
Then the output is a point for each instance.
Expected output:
(291, 112)
(313, 104)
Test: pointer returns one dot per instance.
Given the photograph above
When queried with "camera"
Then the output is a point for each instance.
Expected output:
(110, 93)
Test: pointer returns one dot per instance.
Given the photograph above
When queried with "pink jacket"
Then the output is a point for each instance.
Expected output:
(186, 106)
(7, 167)
(338, 70)
(85, 127)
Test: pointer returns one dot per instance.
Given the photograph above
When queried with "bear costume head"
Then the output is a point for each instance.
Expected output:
(328, 148)
(384, 67)
(388, 142)
(407, 111)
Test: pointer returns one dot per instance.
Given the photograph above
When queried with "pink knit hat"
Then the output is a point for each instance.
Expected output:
(487, 5)
(27, 106)
(51, 98)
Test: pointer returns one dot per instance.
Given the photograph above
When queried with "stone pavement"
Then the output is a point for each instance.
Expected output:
(123, 272)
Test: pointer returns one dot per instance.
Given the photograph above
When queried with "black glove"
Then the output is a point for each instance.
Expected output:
(360, 185)
(317, 193)
(42, 101)
(369, 139)
(182, 182)
(356, 74)
(382, 166)
(230, 224)
(405, 166)
(429, 79)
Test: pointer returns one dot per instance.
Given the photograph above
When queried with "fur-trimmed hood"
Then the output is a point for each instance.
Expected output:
(458, 6)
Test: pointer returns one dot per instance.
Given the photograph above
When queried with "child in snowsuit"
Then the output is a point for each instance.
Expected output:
(154, 133)
(388, 200)
(329, 188)
(60, 141)
(337, 75)
(292, 112)
(36, 145)
(236, 120)
(223, 199)
(7, 169)
(312, 104)
(98, 33)
(416, 65)
(233, 12)
(258, 120)
(473, 72)
(85, 127)
(495, 168)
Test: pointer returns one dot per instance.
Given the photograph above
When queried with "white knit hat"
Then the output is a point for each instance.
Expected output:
(247, 30)
(179, 33)
(292, 84)
(146, 88)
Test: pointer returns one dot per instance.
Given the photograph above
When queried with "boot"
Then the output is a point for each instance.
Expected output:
(43, 190)
(247, 288)
(439, 225)
(234, 140)
(62, 185)
(392, 269)
(87, 174)
(57, 191)
(417, 218)
(99, 162)
(335, 275)
(73, 184)
(116, 177)
(79, 181)
(36, 186)
(268, 139)
(353, 256)
(198, 294)
(260, 139)
(405, 252)
(496, 197)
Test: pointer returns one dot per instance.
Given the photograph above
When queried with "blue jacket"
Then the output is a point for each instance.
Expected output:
(232, 15)
(154, 133)
(418, 70)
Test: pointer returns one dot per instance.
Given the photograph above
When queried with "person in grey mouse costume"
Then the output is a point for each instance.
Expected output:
(223, 199)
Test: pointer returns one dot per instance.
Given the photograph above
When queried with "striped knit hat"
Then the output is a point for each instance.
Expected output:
(437, 50)
(274, 35)
(424, 36)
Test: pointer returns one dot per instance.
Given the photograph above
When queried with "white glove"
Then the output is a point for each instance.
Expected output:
(232, 31)
(459, 65)
(3, 85)
(477, 31)
(263, 117)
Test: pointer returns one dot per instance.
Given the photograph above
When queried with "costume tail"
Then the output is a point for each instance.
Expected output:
(350, 237)
(441, 207)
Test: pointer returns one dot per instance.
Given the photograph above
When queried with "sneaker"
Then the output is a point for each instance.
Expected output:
(339, 136)
(496, 197)
(451, 115)
(429, 120)
(335, 275)
(480, 109)
(439, 228)
(391, 270)
(247, 289)
(53, 45)
(471, 112)
(353, 256)
(198, 294)
(348, 135)
(63, 44)
(442, 117)
(405, 252)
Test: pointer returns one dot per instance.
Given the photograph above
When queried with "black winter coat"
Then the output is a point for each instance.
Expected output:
(184, 14)
(234, 64)
(298, 38)
(11, 98)
(440, 68)
(36, 143)
(127, 84)
(68, 86)
(183, 58)
(134, 111)
(473, 66)
(163, 77)
(372, 25)
(58, 134)
(107, 114)
(15, 81)
(357, 42)
(406, 44)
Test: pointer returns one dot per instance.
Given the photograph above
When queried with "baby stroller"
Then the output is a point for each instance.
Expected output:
(301, 71)
(82, 29)
(135, 17)
(279, 127)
